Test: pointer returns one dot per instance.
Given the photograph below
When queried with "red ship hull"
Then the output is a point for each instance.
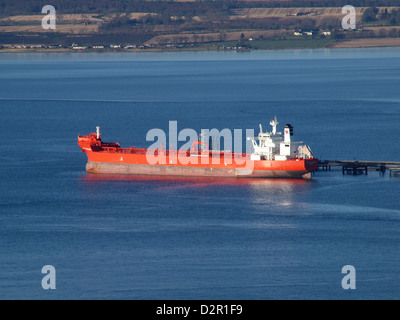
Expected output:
(112, 159)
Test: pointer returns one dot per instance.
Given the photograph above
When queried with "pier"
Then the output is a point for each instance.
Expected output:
(355, 167)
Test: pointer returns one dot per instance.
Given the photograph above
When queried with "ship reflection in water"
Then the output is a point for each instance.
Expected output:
(200, 181)
(260, 193)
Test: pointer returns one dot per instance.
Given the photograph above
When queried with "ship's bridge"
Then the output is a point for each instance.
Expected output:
(275, 146)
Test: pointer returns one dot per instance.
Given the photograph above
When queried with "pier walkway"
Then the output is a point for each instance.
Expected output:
(356, 167)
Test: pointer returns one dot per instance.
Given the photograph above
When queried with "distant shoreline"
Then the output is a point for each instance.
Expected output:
(366, 43)
(354, 43)
(197, 26)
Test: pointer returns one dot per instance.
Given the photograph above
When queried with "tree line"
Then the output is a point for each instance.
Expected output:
(199, 7)
(374, 14)
(123, 24)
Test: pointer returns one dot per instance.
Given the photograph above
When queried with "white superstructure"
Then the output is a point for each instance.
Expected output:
(275, 146)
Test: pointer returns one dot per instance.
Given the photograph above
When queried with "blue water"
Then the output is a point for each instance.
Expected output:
(138, 238)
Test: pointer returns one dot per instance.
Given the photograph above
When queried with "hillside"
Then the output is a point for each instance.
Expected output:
(189, 24)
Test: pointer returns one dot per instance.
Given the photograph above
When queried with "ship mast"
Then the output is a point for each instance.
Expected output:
(274, 123)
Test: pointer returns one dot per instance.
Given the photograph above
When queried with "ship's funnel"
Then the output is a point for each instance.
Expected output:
(288, 133)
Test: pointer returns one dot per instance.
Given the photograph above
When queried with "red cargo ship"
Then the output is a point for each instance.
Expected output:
(274, 156)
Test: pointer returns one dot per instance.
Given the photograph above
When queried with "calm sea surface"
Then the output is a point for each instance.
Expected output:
(138, 238)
